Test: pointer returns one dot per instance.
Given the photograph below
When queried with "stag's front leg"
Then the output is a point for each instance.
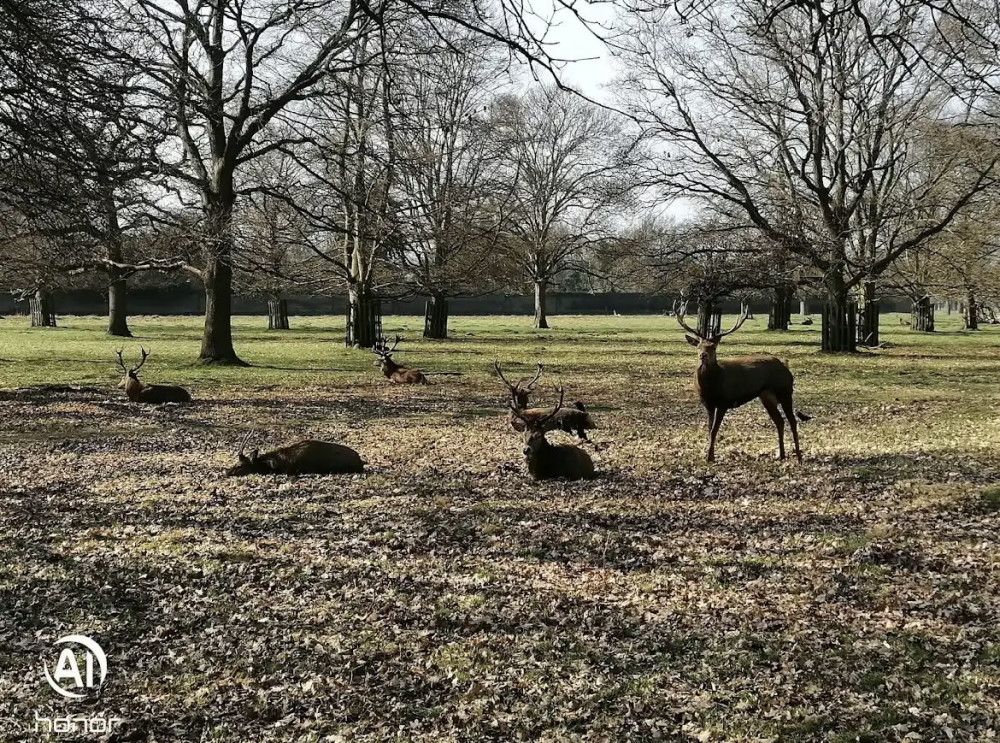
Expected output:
(720, 413)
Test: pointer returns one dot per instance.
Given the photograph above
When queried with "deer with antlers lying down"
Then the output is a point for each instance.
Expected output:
(570, 420)
(136, 391)
(307, 457)
(730, 383)
(396, 373)
(546, 461)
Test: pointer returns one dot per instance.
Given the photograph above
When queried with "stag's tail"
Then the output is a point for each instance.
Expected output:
(802, 416)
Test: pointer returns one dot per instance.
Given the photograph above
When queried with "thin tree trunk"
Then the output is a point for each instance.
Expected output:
(803, 307)
(118, 306)
(277, 314)
(42, 314)
(436, 317)
(868, 318)
(971, 312)
(541, 288)
(781, 308)
(839, 318)
(922, 315)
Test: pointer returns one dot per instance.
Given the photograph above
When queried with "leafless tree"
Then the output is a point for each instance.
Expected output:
(568, 180)
(816, 123)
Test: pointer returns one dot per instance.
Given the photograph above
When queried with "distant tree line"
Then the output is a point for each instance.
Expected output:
(835, 149)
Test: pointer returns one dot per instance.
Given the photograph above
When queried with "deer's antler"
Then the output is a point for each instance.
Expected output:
(145, 355)
(533, 382)
(679, 311)
(737, 326)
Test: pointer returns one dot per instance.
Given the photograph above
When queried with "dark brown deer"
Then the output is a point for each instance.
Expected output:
(136, 391)
(546, 461)
(570, 420)
(307, 457)
(396, 373)
(730, 383)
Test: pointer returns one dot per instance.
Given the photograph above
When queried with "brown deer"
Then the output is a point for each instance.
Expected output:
(730, 383)
(546, 461)
(396, 373)
(136, 391)
(307, 457)
(570, 420)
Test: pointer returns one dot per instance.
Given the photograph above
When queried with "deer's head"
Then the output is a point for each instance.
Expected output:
(707, 346)
(519, 392)
(247, 465)
(534, 430)
(130, 378)
(384, 351)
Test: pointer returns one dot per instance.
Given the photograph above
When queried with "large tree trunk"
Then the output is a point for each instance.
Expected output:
(868, 317)
(922, 315)
(42, 314)
(709, 319)
(541, 288)
(364, 318)
(839, 318)
(217, 341)
(971, 312)
(277, 314)
(436, 317)
(781, 308)
(118, 306)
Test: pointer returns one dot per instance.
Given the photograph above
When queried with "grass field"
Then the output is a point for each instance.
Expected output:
(442, 596)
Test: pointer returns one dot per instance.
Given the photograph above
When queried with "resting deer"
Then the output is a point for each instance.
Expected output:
(730, 383)
(546, 461)
(396, 373)
(307, 457)
(569, 420)
(136, 391)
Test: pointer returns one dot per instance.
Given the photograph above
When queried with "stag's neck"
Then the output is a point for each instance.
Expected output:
(133, 388)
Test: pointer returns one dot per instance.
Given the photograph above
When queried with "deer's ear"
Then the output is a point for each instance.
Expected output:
(253, 455)
(692, 340)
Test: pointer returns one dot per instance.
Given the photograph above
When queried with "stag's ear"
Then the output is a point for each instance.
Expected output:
(692, 340)
(253, 455)
(243, 458)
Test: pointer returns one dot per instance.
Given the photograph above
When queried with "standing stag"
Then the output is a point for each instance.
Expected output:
(569, 420)
(396, 373)
(307, 457)
(136, 391)
(730, 383)
(546, 461)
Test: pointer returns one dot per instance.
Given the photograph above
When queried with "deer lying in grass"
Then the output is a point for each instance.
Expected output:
(307, 457)
(730, 383)
(136, 391)
(396, 373)
(546, 461)
(569, 420)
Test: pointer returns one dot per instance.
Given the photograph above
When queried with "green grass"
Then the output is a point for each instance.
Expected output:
(442, 596)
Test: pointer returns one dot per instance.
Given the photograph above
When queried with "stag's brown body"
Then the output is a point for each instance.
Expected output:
(396, 373)
(730, 383)
(571, 421)
(547, 461)
(307, 457)
(154, 394)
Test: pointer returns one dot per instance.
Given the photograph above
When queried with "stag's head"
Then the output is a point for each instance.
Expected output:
(131, 376)
(534, 430)
(384, 351)
(707, 346)
(247, 465)
(519, 391)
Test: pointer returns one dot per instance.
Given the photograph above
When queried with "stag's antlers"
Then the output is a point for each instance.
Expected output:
(515, 388)
(134, 369)
(380, 347)
(679, 316)
(538, 424)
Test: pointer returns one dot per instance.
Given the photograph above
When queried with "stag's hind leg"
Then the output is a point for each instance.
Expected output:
(786, 405)
(771, 406)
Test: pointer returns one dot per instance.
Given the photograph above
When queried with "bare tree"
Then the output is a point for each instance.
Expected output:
(567, 178)
(816, 123)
